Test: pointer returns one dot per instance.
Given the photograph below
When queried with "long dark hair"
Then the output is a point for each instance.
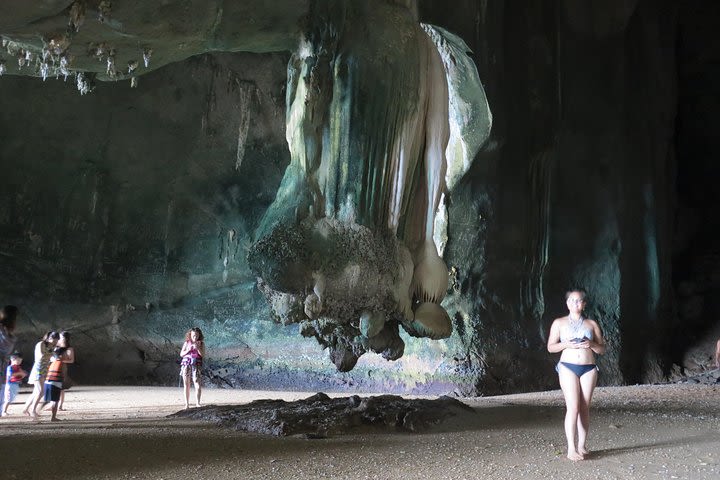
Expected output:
(200, 336)
(66, 336)
(50, 335)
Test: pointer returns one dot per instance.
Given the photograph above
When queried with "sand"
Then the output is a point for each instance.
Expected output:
(639, 432)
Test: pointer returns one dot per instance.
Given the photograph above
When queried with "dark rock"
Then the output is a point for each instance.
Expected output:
(319, 416)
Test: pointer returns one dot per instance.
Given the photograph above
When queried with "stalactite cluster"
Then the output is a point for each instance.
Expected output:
(368, 125)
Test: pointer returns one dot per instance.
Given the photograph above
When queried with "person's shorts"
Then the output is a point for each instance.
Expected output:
(191, 372)
(52, 393)
(37, 374)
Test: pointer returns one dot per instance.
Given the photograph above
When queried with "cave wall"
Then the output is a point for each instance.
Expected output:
(576, 186)
(126, 214)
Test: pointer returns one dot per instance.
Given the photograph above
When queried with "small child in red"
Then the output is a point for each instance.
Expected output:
(13, 375)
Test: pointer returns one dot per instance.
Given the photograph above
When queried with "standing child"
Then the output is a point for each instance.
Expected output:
(68, 359)
(13, 376)
(192, 353)
(54, 381)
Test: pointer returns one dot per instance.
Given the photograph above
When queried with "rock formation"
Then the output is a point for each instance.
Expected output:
(131, 214)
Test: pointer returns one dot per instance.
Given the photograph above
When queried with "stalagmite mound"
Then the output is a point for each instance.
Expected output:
(319, 415)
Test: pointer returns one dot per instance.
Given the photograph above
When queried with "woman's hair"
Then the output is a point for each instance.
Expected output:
(66, 336)
(197, 331)
(581, 291)
(51, 335)
(8, 316)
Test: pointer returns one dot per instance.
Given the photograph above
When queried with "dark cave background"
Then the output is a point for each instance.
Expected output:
(126, 214)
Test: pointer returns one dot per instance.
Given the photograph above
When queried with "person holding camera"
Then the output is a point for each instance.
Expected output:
(579, 339)
(192, 353)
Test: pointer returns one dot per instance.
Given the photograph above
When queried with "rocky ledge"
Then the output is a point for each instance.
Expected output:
(320, 416)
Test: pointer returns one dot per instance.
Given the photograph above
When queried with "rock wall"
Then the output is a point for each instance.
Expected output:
(126, 214)
(578, 185)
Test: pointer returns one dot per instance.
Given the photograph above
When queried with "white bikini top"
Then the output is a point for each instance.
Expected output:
(572, 330)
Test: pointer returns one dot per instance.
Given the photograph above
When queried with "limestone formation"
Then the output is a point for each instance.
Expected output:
(598, 172)
(350, 240)
(320, 416)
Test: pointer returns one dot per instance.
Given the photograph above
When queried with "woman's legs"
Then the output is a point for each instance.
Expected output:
(33, 399)
(570, 385)
(587, 386)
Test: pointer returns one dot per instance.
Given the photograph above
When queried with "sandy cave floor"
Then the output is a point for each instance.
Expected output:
(639, 432)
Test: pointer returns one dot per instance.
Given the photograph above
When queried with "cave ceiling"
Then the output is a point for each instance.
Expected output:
(383, 115)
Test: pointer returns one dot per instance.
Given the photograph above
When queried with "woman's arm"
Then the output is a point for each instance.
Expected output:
(39, 351)
(185, 349)
(554, 344)
(69, 356)
(598, 343)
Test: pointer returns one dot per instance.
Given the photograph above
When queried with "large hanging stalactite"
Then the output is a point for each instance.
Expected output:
(368, 124)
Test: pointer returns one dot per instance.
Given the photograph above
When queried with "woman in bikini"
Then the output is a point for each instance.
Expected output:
(579, 339)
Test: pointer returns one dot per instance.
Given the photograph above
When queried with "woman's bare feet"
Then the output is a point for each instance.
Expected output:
(575, 456)
(583, 451)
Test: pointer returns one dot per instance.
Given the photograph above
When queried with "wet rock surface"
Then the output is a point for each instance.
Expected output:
(320, 416)
(711, 377)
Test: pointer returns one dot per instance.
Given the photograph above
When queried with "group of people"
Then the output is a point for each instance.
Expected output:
(52, 355)
(48, 375)
(577, 338)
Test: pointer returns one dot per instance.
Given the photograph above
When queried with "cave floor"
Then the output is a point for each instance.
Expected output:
(639, 432)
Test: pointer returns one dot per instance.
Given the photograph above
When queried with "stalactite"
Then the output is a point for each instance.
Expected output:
(368, 135)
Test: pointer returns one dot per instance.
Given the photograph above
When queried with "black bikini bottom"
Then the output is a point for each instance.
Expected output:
(578, 370)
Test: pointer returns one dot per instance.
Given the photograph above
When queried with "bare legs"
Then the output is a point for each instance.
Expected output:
(53, 410)
(578, 395)
(195, 374)
(32, 402)
(587, 387)
(198, 392)
(186, 384)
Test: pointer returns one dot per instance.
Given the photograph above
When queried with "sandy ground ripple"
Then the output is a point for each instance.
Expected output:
(639, 432)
